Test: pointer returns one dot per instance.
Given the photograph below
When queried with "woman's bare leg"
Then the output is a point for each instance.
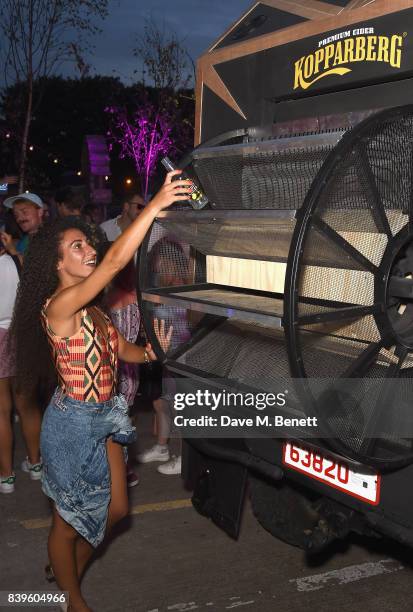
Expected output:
(61, 547)
(31, 422)
(163, 420)
(84, 552)
(118, 507)
(6, 430)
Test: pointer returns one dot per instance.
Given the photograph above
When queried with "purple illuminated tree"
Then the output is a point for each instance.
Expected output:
(159, 120)
(143, 135)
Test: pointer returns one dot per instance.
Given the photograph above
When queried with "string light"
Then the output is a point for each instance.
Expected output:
(31, 148)
(106, 178)
(55, 161)
(79, 173)
(128, 181)
(8, 135)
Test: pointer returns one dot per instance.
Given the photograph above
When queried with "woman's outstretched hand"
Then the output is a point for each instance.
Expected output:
(171, 191)
(164, 339)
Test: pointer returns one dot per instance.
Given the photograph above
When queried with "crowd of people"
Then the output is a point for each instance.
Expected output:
(70, 331)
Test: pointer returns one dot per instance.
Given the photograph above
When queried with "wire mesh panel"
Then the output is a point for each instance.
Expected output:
(245, 238)
(166, 263)
(226, 353)
(360, 205)
(262, 177)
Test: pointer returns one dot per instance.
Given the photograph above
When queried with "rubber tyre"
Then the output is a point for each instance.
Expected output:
(284, 510)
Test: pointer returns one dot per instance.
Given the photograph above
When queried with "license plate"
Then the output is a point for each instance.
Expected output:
(333, 473)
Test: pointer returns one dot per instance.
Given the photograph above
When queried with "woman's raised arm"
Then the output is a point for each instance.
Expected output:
(71, 299)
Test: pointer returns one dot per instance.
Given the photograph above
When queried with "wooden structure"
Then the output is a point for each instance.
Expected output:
(247, 76)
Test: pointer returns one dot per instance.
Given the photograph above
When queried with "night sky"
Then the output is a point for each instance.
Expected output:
(198, 23)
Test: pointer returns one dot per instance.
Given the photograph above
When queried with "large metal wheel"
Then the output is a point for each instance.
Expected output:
(349, 293)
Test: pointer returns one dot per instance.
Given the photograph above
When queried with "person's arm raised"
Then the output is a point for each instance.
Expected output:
(70, 300)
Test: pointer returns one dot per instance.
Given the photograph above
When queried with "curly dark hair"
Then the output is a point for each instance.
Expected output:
(39, 280)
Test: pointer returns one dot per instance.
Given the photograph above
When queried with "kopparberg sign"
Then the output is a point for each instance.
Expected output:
(337, 53)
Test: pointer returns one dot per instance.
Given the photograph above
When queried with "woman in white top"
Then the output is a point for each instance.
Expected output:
(29, 412)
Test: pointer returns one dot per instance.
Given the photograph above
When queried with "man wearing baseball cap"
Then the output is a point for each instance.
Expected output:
(28, 211)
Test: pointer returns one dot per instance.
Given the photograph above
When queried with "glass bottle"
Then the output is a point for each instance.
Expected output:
(197, 197)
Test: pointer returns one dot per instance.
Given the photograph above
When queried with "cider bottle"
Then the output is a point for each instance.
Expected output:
(197, 197)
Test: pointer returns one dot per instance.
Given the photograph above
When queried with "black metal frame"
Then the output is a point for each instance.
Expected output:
(306, 217)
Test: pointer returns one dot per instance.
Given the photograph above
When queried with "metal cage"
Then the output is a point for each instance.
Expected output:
(301, 266)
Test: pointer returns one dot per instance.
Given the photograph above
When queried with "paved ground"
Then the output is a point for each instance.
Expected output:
(167, 558)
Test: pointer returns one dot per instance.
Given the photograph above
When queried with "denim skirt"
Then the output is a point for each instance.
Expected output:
(76, 472)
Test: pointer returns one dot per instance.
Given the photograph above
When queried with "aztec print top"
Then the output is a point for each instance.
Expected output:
(86, 363)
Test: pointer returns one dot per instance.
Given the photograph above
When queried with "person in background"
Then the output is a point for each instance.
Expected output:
(69, 202)
(169, 266)
(92, 213)
(122, 304)
(130, 210)
(28, 210)
(9, 224)
(29, 412)
(46, 212)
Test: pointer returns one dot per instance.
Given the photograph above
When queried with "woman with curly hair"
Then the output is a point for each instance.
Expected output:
(85, 423)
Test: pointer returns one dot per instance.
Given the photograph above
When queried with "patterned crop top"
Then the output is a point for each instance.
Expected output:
(87, 362)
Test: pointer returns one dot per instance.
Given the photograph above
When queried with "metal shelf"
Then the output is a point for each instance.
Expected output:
(222, 301)
(250, 306)
(231, 217)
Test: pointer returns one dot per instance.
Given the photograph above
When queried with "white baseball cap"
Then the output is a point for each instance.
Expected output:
(31, 197)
